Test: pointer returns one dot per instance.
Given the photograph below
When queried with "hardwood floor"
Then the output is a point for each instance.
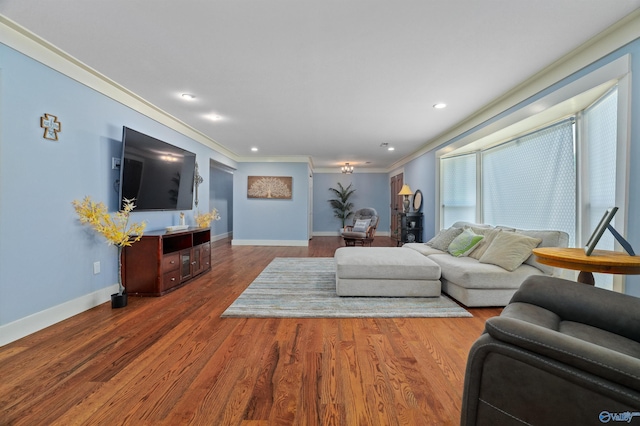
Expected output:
(172, 360)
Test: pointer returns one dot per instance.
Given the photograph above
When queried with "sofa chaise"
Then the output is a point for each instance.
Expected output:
(492, 271)
(385, 272)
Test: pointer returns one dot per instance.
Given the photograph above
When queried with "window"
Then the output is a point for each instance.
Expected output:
(560, 177)
(530, 182)
(599, 154)
(458, 189)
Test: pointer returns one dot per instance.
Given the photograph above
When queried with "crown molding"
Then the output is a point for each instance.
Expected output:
(277, 159)
(24, 41)
(356, 170)
(608, 41)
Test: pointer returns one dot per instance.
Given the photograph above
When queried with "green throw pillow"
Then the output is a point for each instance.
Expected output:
(464, 243)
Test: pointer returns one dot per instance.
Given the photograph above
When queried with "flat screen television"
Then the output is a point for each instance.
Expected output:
(158, 175)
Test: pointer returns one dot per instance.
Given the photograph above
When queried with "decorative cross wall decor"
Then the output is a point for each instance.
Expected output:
(51, 126)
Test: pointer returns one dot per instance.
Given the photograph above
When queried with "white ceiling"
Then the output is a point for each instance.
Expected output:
(329, 79)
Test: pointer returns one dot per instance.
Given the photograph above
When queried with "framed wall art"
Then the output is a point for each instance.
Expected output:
(274, 187)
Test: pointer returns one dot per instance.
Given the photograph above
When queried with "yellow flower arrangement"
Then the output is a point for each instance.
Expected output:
(204, 220)
(116, 228)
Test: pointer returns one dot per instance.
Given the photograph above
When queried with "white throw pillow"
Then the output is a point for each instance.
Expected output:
(508, 250)
(361, 225)
(549, 239)
(489, 235)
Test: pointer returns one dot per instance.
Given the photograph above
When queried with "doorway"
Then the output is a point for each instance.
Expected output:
(396, 205)
(221, 198)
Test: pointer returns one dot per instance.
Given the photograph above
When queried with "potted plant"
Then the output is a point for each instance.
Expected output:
(341, 204)
(117, 231)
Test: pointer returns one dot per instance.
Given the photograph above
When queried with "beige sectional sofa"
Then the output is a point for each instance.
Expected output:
(493, 270)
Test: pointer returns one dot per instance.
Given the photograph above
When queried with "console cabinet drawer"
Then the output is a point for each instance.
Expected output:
(170, 279)
(206, 256)
(170, 262)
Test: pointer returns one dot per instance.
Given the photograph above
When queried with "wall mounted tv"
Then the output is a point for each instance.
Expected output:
(158, 175)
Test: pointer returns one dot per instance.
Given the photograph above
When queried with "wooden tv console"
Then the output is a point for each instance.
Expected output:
(163, 261)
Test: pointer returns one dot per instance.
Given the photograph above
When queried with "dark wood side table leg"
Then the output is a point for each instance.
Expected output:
(586, 278)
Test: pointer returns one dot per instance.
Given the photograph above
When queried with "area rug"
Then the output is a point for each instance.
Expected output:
(305, 287)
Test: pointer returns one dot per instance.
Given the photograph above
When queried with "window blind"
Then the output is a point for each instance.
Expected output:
(600, 141)
(458, 192)
(530, 182)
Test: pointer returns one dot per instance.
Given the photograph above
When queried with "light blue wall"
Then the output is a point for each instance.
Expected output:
(46, 256)
(271, 219)
(420, 174)
(372, 190)
(414, 170)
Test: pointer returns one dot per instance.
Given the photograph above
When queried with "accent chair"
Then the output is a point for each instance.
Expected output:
(363, 229)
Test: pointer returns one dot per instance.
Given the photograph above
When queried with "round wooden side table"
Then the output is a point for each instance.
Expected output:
(602, 261)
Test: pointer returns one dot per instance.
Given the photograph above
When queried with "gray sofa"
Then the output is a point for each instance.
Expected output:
(472, 279)
(560, 353)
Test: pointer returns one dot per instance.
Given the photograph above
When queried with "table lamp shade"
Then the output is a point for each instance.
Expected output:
(405, 190)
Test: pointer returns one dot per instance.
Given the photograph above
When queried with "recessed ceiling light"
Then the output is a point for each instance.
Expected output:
(440, 106)
(386, 145)
(254, 149)
(188, 96)
(214, 117)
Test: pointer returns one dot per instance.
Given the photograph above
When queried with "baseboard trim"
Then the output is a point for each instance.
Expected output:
(337, 233)
(221, 236)
(30, 324)
(296, 243)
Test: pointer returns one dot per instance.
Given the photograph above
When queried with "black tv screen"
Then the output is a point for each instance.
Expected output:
(158, 175)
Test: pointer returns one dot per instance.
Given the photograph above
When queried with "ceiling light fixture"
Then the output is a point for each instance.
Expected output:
(347, 169)
(386, 145)
(254, 149)
(188, 96)
(440, 105)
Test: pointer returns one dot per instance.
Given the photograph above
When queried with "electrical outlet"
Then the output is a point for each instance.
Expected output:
(96, 268)
(115, 163)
